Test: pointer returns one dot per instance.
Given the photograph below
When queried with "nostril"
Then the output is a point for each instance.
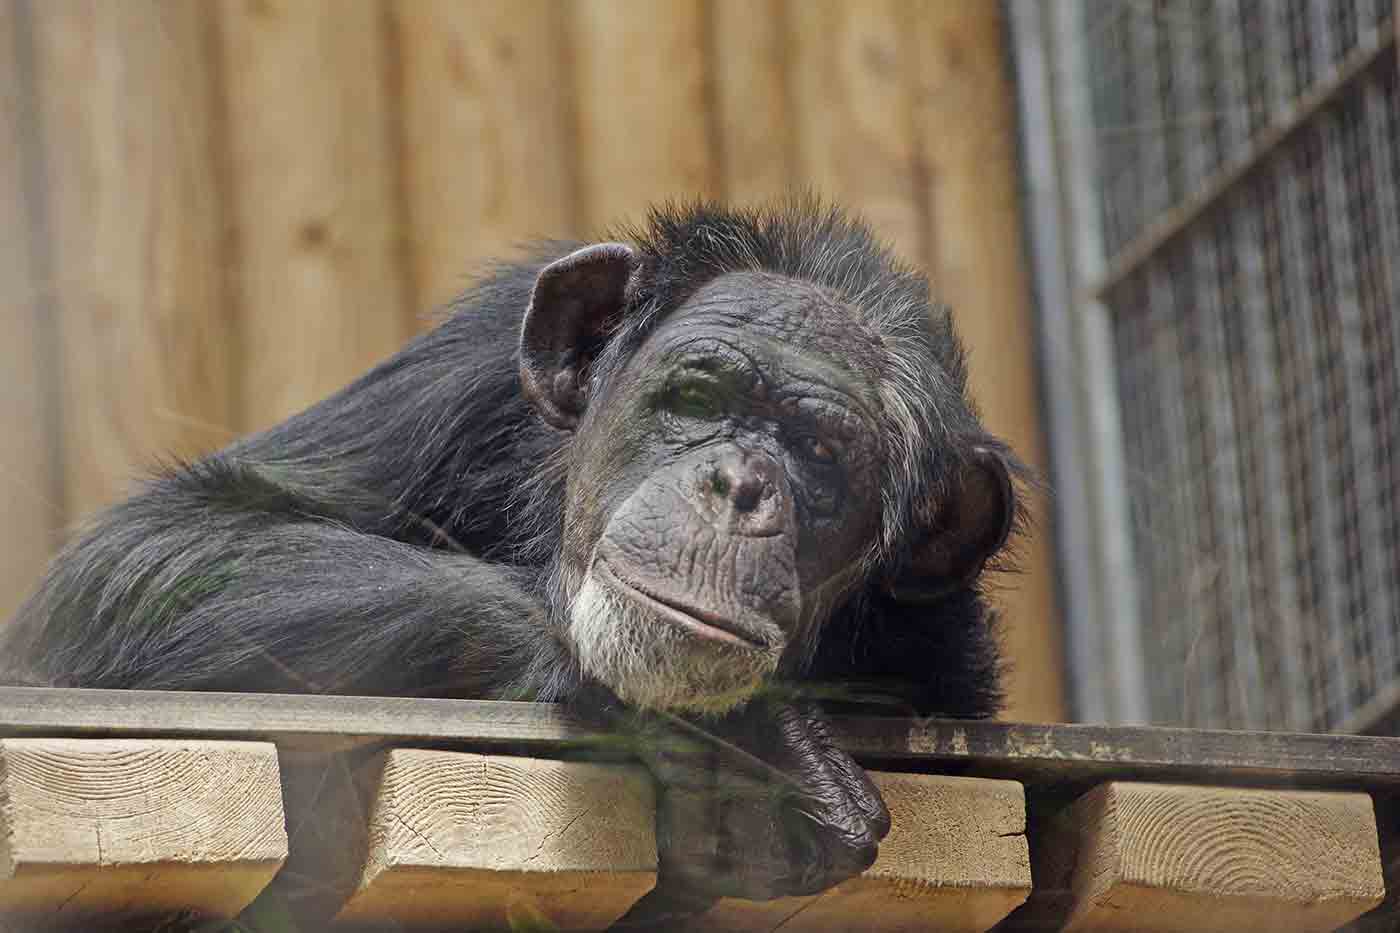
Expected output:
(740, 484)
(720, 483)
(747, 495)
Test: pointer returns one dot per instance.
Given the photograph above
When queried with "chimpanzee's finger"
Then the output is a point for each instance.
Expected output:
(854, 779)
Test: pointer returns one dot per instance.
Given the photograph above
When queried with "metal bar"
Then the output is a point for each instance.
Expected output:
(1382, 106)
(1173, 221)
(1180, 619)
(1277, 618)
(1056, 755)
(1359, 513)
(1059, 362)
(1298, 230)
(1095, 378)
(1191, 99)
(1244, 686)
(1156, 170)
(1233, 46)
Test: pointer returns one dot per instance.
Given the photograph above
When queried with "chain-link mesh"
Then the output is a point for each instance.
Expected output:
(1257, 347)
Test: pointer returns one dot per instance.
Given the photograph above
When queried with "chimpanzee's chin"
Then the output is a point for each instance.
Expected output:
(654, 663)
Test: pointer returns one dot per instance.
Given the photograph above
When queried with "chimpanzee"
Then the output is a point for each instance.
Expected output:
(729, 450)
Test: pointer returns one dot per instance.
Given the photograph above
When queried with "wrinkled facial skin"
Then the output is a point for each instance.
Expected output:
(725, 489)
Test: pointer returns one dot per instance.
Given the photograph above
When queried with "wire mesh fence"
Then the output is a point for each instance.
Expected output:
(1249, 166)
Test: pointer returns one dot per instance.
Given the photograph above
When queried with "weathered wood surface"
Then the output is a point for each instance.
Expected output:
(852, 66)
(1386, 917)
(482, 841)
(487, 139)
(1061, 755)
(956, 859)
(1180, 858)
(133, 827)
(320, 280)
(642, 97)
(31, 496)
(752, 107)
(133, 236)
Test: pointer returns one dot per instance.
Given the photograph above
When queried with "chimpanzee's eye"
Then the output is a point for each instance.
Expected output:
(693, 398)
(816, 450)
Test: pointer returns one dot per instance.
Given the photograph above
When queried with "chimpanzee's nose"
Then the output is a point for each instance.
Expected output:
(750, 484)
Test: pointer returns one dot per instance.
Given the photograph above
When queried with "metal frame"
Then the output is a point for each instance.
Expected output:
(1077, 361)
(1067, 241)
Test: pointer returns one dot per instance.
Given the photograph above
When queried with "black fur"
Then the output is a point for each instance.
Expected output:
(399, 537)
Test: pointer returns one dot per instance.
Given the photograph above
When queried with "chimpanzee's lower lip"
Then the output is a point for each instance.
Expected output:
(713, 629)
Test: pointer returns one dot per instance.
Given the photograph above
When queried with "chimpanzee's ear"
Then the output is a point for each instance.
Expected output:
(969, 529)
(574, 302)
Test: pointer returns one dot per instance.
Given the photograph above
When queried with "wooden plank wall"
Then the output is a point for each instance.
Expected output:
(215, 214)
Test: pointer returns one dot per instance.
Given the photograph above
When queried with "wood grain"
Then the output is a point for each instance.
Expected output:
(753, 119)
(128, 828)
(640, 84)
(30, 496)
(964, 109)
(492, 841)
(321, 283)
(851, 72)
(136, 234)
(956, 859)
(487, 136)
(1171, 857)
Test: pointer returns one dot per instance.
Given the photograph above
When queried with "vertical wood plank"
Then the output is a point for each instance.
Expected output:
(29, 497)
(130, 157)
(320, 279)
(487, 136)
(965, 115)
(851, 69)
(640, 83)
(755, 144)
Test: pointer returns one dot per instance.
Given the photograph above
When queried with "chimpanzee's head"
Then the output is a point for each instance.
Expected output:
(770, 421)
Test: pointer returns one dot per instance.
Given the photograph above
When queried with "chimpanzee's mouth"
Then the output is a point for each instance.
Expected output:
(699, 622)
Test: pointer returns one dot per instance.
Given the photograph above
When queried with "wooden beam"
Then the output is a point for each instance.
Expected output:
(126, 828)
(639, 83)
(487, 142)
(1063, 756)
(1198, 858)
(320, 281)
(135, 234)
(482, 841)
(956, 859)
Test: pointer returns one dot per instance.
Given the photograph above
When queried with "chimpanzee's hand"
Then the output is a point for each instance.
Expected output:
(759, 804)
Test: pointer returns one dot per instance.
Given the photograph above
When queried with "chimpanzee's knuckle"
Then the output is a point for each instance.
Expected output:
(880, 820)
(854, 852)
(860, 854)
(816, 876)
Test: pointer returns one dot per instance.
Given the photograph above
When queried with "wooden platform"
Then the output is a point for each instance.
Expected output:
(446, 813)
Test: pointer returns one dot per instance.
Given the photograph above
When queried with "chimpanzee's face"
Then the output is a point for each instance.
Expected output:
(724, 490)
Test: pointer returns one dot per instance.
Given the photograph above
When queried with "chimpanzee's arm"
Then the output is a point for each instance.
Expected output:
(218, 577)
